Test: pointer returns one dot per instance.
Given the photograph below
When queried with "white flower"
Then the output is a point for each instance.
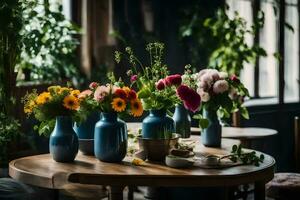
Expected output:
(205, 97)
(220, 86)
(223, 75)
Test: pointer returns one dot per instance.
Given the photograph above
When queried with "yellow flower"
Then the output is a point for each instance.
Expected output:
(75, 93)
(43, 98)
(63, 89)
(136, 108)
(137, 161)
(71, 102)
(29, 107)
(54, 89)
(118, 104)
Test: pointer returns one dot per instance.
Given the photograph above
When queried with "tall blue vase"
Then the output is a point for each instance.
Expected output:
(110, 142)
(182, 121)
(157, 125)
(211, 136)
(86, 129)
(63, 143)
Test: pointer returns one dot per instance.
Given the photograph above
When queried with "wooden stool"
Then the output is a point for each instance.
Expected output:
(84, 192)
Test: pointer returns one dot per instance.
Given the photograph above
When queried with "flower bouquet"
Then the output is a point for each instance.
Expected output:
(220, 96)
(110, 133)
(158, 90)
(56, 106)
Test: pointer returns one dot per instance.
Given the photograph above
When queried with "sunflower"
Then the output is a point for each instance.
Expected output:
(136, 108)
(118, 104)
(71, 102)
(43, 98)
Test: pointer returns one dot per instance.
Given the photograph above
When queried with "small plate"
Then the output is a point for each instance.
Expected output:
(178, 162)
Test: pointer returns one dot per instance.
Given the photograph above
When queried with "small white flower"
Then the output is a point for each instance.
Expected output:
(220, 86)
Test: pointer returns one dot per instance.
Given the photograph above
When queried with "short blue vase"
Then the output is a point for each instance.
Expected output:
(157, 125)
(86, 129)
(182, 121)
(211, 136)
(63, 143)
(110, 142)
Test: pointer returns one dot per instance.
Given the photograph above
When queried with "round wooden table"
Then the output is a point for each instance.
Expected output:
(43, 171)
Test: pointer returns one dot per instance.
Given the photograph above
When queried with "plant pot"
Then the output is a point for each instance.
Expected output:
(182, 121)
(157, 125)
(211, 136)
(110, 142)
(63, 142)
(157, 149)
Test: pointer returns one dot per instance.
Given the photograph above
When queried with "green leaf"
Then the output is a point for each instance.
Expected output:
(203, 123)
(244, 112)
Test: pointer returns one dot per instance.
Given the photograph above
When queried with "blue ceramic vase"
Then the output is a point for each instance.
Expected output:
(182, 121)
(211, 136)
(110, 142)
(157, 125)
(63, 143)
(86, 129)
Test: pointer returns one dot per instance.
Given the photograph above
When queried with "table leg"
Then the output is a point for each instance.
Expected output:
(116, 192)
(259, 191)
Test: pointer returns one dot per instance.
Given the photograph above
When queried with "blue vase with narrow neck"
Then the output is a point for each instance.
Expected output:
(157, 125)
(110, 140)
(182, 121)
(86, 129)
(211, 136)
(63, 143)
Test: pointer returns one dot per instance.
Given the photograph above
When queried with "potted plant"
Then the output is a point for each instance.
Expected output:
(56, 107)
(220, 95)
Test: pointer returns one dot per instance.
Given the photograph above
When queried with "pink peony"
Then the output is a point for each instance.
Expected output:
(93, 85)
(205, 97)
(84, 94)
(191, 99)
(101, 92)
(220, 86)
(160, 85)
(202, 72)
(207, 78)
(173, 80)
(214, 74)
(133, 78)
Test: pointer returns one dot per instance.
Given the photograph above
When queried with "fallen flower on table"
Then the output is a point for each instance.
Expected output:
(137, 161)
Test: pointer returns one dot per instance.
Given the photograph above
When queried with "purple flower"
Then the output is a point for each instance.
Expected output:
(191, 99)
(133, 78)
(160, 85)
(173, 80)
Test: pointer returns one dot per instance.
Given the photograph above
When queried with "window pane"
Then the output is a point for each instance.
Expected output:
(292, 54)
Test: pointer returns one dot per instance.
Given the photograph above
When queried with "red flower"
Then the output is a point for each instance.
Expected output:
(234, 78)
(93, 85)
(160, 85)
(120, 93)
(173, 80)
(191, 99)
(132, 95)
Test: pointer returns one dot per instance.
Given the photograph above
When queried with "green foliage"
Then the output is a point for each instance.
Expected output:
(233, 51)
(9, 132)
(49, 49)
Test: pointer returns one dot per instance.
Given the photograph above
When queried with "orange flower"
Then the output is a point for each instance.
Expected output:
(71, 102)
(136, 108)
(43, 98)
(118, 104)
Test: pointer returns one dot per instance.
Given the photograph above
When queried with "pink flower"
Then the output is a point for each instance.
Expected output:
(101, 92)
(133, 78)
(173, 80)
(202, 72)
(160, 85)
(191, 99)
(207, 78)
(205, 97)
(84, 94)
(220, 86)
(93, 85)
(234, 78)
(214, 74)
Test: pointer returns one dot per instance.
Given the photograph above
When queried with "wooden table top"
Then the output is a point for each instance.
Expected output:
(43, 171)
(249, 133)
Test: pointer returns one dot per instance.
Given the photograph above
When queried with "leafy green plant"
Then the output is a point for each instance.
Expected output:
(233, 51)
(48, 52)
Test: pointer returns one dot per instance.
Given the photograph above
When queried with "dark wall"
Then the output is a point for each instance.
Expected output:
(281, 146)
